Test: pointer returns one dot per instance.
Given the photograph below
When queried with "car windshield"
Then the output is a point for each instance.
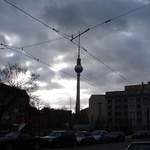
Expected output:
(13, 134)
(97, 133)
(139, 147)
(55, 134)
(79, 134)
(114, 133)
(137, 132)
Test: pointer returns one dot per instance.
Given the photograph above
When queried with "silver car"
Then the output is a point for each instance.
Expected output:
(140, 145)
(101, 136)
(84, 137)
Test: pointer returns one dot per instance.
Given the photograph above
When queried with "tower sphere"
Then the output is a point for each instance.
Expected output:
(78, 68)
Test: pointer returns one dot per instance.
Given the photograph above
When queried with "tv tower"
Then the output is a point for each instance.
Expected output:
(78, 69)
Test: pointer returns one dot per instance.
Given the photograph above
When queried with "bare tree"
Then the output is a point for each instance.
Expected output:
(17, 76)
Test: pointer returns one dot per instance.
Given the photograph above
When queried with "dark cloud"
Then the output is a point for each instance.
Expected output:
(119, 47)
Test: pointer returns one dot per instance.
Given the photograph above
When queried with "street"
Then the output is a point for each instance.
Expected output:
(105, 146)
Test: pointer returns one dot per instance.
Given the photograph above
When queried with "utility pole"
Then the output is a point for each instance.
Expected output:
(148, 118)
(99, 115)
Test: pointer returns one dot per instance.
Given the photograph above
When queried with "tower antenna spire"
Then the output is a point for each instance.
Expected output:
(79, 46)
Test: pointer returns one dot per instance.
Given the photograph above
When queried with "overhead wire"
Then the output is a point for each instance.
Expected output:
(35, 44)
(34, 58)
(22, 48)
(81, 32)
(124, 14)
(57, 31)
(109, 20)
(104, 63)
(67, 36)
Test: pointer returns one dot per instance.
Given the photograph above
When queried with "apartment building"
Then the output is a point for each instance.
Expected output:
(129, 109)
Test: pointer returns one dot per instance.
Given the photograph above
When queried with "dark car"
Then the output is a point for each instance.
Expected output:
(19, 140)
(84, 138)
(140, 145)
(117, 136)
(60, 138)
(139, 134)
(148, 134)
(101, 136)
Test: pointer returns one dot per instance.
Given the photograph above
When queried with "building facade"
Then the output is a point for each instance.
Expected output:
(13, 105)
(129, 109)
(97, 111)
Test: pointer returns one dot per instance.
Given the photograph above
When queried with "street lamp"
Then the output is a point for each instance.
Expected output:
(99, 109)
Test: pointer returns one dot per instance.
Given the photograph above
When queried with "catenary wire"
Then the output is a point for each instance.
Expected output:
(124, 14)
(77, 44)
(59, 32)
(35, 44)
(109, 20)
(32, 57)
(22, 48)
(104, 63)
(66, 35)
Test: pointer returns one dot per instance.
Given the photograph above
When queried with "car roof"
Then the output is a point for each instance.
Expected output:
(99, 131)
(62, 131)
(141, 142)
(83, 131)
(117, 132)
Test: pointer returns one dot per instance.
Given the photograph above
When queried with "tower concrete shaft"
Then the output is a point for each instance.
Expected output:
(78, 69)
(78, 94)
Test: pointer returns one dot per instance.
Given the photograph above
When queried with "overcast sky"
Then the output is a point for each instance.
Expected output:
(113, 54)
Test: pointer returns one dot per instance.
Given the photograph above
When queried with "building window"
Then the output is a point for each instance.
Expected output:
(125, 106)
(139, 120)
(138, 91)
(146, 100)
(109, 108)
(138, 106)
(125, 92)
(118, 114)
(109, 120)
(125, 114)
(117, 107)
(131, 98)
(138, 100)
(139, 112)
(109, 114)
(109, 101)
(146, 91)
(118, 101)
(109, 94)
(125, 101)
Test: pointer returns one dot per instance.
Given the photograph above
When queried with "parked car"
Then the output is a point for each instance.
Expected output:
(60, 138)
(140, 145)
(117, 136)
(139, 134)
(101, 136)
(19, 140)
(148, 134)
(84, 137)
